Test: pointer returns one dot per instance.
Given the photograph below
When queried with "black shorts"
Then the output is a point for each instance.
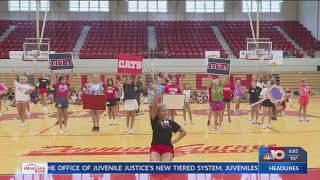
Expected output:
(267, 103)
(111, 102)
(118, 99)
(62, 103)
(226, 100)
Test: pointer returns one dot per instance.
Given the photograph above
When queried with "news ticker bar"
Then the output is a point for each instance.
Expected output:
(164, 168)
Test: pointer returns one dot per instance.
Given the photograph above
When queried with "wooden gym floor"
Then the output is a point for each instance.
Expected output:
(39, 140)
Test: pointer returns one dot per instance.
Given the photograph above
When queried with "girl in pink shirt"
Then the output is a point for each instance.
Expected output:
(304, 91)
(172, 88)
(62, 87)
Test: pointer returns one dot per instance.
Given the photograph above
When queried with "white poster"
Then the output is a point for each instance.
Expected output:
(212, 54)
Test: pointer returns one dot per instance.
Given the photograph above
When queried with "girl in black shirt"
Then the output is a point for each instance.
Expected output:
(162, 143)
(130, 97)
(254, 93)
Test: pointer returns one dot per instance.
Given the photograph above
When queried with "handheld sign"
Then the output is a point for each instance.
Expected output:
(218, 66)
(276, 94)
(94, 102)
(60, 61)
(130, 64)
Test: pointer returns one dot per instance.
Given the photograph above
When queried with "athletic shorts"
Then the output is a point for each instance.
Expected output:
(117, 99)
(42, 90)
(303, 100)
(61, 103)
(226, 100)
(267, 103)
(186, 105)
(111, 102)
(161, 149)
(217, 106)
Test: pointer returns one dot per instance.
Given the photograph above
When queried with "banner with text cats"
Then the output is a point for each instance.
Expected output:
(130, 64)
(60, 61)
(218, 66)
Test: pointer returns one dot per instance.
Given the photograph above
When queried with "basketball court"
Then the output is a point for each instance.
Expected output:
(39, 140)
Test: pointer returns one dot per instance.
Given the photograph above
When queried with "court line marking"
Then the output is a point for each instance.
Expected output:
(250, 123)
(44, 130)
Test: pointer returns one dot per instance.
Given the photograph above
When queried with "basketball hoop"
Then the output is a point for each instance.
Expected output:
(35, 54)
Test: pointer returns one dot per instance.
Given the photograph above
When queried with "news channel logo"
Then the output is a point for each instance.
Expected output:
(34, 168)
(275, 154)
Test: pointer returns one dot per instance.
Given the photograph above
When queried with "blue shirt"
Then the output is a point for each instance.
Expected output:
(95, 88)
(160, 89)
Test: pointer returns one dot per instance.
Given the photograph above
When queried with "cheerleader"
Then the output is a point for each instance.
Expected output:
(253, 97)
(110, 91)
(162, 129)
(130, 100)
(44, 83)
(187, 107)
(304, 91)
(261, 85)
(118, 97)
(172, 88)
(238, 96)
(267, 105)
(95, 88)
(3, 90)
(228, 90)
(217, 103)
(62, 87)
(22, 97)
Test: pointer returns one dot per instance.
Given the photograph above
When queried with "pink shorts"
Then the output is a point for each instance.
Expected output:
(217, 105)
(303, 100)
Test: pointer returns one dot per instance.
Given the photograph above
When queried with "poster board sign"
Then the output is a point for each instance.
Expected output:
(174, 101)
(94, 102)
(218, 66)
(60, 61)
(130, 64)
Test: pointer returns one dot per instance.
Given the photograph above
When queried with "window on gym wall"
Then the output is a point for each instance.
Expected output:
(147, 6)
(266, 6)
(205, 6)
(88, 6)
(28, 5)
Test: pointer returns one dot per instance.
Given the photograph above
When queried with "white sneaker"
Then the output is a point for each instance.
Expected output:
(254, 122)
(28, 114)
(300, 119)
(214, 129)
(114, 122)
(65, 129)
(269, 126)
(191, 122)
(306, 120)
(45, 110)
(110, 121)
(185, 122)
(130, 131)
(263, 127)
(90, 120)
(219, 129)
(61, 132)
(22, 124)
(127, 129)
(282, 113)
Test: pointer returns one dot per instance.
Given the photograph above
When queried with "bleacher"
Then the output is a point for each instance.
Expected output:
(178, 39)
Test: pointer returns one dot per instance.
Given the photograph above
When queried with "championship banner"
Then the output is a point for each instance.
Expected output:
(60, 61)
(212, 54)
(218, 66)
(130, 64)
(94, 102)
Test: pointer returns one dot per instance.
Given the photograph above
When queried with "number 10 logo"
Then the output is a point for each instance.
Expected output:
(275, 154)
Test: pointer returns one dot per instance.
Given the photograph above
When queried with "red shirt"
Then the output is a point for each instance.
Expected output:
(110, 91)
(227, 91)
(172, 89)
(210, 94)
(62, 90)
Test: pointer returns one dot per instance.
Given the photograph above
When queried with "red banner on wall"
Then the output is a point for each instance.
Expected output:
(130, 64)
